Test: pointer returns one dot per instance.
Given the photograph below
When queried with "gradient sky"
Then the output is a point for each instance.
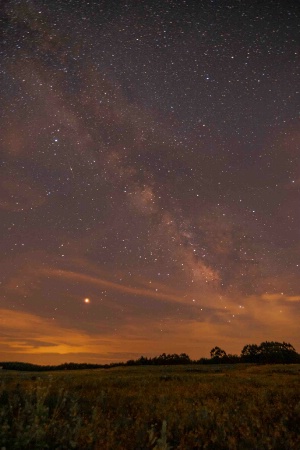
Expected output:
(150, 164)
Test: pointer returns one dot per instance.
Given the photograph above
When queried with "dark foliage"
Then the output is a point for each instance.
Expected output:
(268, 352)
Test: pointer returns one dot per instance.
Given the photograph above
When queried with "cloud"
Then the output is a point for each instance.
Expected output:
(30, 335)
(149, 216)
(116, 292)
(281, 297)
(80, 277)
(258, 318)
(33, 334)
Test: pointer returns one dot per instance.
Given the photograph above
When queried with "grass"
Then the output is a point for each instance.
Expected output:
(161, 408)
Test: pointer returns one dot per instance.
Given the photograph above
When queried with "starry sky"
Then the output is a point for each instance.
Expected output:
(150, 177)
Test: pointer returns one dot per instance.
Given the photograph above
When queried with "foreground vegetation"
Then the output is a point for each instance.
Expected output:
(184, 407)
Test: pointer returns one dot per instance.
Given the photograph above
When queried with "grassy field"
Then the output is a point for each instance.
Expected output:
(130, 408)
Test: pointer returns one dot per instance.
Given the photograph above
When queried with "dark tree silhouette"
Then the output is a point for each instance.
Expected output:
(270, 352)
(217, 352)
(250, 353)
(277, 352)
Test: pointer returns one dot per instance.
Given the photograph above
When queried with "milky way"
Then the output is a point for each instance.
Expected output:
(150, 178)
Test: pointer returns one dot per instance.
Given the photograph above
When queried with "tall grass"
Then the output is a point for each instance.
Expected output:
(161, 408)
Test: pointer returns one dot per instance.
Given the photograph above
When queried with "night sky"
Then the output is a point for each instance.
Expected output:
(150, 179)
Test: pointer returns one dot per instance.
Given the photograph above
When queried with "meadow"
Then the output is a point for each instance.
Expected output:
(164, 407)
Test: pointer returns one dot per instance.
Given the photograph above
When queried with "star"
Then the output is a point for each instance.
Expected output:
(157, 148)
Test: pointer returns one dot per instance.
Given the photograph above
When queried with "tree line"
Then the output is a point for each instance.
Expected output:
(268, 352)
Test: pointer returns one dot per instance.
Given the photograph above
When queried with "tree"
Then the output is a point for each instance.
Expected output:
(142, 361)
(217, 352)
(272, 352)
(250, 353)
(269, 352)
(184, 358)
(231, 359)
